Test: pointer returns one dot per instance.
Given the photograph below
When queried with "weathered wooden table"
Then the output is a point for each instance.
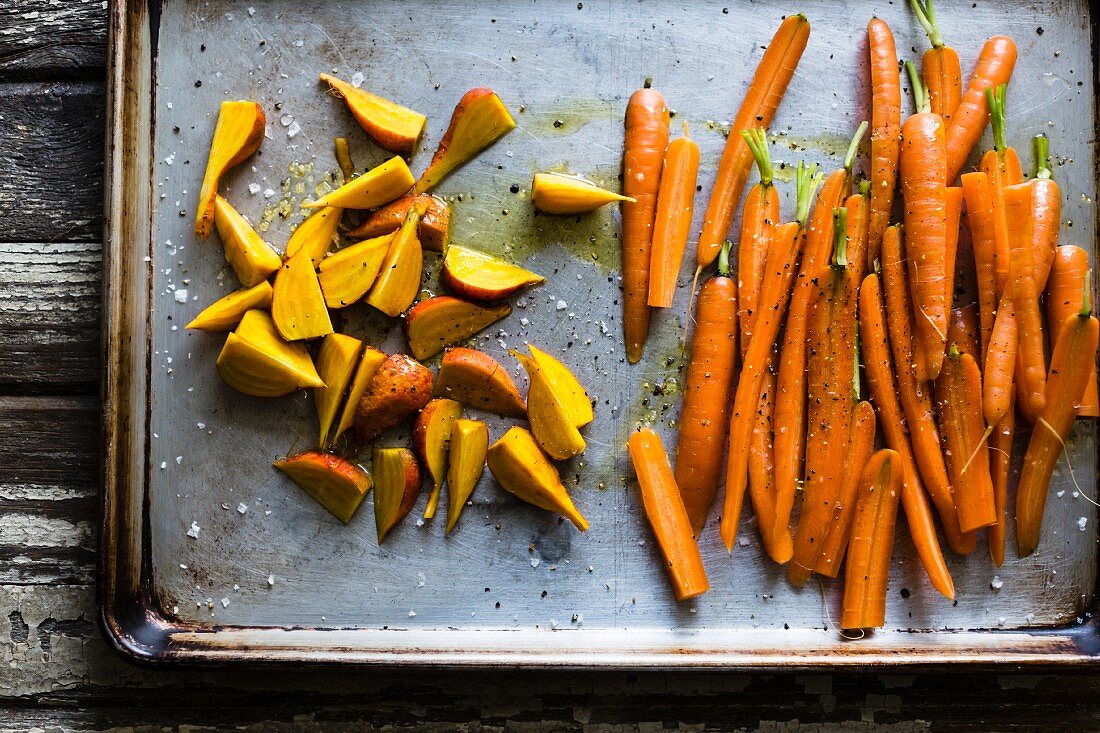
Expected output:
(56, 672)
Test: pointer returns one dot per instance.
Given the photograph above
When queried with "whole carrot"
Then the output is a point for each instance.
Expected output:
(1046, 212)
(963, 331)
(775, 295)
(880, 377)
(916, 398)
(667, 516)
(924, 186)
(759, 218)
(1000, 467)
(859, 212)
(885, 131)
(953, 201)
(1070, 365)
(775, 539)
(1025, 297)
(939, 65)
(769, 84)
(675, 203)
(1001, 165)
(979, 217)
(1068, 277)
(995, 65)
(868, 567)
(646, 138)
(1000, 362)
(707, 393)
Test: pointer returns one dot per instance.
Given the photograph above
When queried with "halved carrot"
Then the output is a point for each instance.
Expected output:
(706, 394)
(924, 189)
(646, 138)
(759, 218)
(885, 131)
(939, 65)
(995, 64)
(675, 203)
(868, 568)
(1068, 276)
(1070, 365)
(916, 398)
(1025, 297)
(979, 217)
(1046, 212)
(775, 539)
(667, 515)
(877, 360)
(769, 84)
(775, 295)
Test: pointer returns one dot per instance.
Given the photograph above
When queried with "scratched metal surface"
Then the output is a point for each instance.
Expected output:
(507, 565)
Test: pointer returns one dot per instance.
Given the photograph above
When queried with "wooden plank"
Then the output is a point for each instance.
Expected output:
(51, 162)
(49, 318)
(47, 37)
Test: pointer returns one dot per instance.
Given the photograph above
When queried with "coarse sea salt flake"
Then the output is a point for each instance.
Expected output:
(225, 603)
(193, 532)
(253, 188)
(562, 305)
(357, 79)
(1082, 522)
(242, 508)
(180, 295)
(535, 562)
(271, 580)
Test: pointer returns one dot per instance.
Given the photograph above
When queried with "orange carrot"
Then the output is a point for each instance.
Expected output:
(834, 541)
(1000, 466)
(775, 294)
(979, 216)
(885, 131)
(880, 377)
(667, 515)
(646, 138)
(916, 398)
(776, 540)
(1068, 276)
(869, 550)
(953, 200)
(1001, 165)
(963, 331)
(1000, 361)
(995, 64)
(830, 342)
(1074, 355)
(939, 65)
(675, 203)
(707, 393)
(759, 218)
(1046, 213)
(859, 211)
(923, 186)
(769, 84)
(959, 399)
(1025, 297)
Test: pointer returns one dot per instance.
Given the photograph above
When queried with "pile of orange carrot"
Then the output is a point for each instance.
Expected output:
(937, 336)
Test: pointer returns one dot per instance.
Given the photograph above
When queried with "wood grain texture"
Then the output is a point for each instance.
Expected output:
(42, 38)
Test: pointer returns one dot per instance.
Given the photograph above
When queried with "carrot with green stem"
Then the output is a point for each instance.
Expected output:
(775, 295)
(647, 122)
(790, 404)
(979, 217)
(995, 64)
(1024, 292)
(765, 92)
(885, 131)
(1001, 166)
(667, 515)
(775, 539)
(924, 189)
(1070, 366)
(672, 222)
(939, 65)
(759, 218)
(1046, 213)
(1068, 277)
(706, 393)
(876, 357)
(867, 569)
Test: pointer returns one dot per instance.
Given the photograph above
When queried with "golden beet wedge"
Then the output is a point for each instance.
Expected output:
(396, 486)
(315, 233)
(435, 223)
(237, 135)
(338, 484)
(257, 361)
(297, 304)
(348, 274)
(440, 321)
(478, 276)
(554, 193)
(225, 313)
(395, 128)
(562, 382)
(399, 280)
(368, 364)
(377, 187)
(399, 388)
(432, 441)
(478, 380)
(336, 362)
(466, 461)
(251, 258)
(478, 121)
(520, 466)
(551, 424)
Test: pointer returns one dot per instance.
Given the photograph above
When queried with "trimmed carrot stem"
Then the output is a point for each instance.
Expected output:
(672, 222)
(868, 567)
(939, 65)
(759, 218)
(1046, 213)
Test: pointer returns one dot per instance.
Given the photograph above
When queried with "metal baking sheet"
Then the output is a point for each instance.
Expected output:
(209, 554)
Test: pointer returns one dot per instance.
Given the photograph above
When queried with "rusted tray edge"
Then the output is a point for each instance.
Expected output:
(134, 625)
